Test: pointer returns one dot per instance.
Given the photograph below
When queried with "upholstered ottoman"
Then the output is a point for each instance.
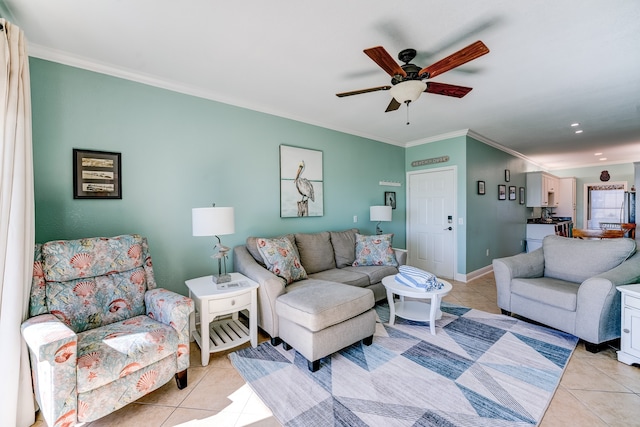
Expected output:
(320, 318)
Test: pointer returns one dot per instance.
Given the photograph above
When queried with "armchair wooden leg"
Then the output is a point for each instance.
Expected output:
(594, 348)
(313, 366)
(181, 379)
(367, 340)
(505, 312)
(286, 346)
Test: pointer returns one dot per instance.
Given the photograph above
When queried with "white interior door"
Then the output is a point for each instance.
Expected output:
(431, 225)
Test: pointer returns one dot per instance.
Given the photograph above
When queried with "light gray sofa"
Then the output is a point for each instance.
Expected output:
(570, 284)
(326, 256)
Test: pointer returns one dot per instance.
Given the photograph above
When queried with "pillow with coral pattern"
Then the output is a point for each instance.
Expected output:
(281, 258)
(375, 250)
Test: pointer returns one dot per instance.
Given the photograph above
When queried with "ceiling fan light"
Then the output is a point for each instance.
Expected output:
(409, 90)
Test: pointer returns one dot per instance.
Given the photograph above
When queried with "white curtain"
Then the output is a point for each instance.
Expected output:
(16, 226)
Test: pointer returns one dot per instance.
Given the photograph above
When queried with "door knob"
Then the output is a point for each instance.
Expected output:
(449, 228)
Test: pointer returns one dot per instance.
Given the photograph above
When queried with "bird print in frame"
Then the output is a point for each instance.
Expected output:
(301, 186)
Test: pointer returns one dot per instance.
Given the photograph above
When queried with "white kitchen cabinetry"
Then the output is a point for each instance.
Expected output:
(566, 198)
(630, 328)
(541, 190)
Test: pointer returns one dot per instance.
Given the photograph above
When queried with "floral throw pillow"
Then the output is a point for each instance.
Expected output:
(281, 258)
(375, 250)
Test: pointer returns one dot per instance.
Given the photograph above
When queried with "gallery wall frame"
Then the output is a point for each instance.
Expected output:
(301, 182)
(97, 174)
(512, 192)
(502, 192)
(481, 188)
(521, 196)
(507, 175)
(390, 199)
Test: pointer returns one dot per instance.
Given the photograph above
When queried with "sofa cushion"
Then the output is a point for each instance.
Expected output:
(375, 272)
(344, 246)
(316, 305)
(119, 349)
(252, 247)
(316, 251)
(375, 250)
(281, 258)
(576, 260)
(96, 256)
(552, 292)
(343, 275)
(84, 304)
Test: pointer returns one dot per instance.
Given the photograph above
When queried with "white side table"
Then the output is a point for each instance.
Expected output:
(630, 328)
(211, 303)
(419, 311)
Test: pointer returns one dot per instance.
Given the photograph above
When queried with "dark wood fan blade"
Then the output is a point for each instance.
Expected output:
(393, 105)
(447, 90)
(469, 53)
(358, 92)
(381, 57)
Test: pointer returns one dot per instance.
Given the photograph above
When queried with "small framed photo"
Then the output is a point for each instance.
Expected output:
(502, 192)
(507, 175)
(481, 189)
(390, 199)
(96, 175)
(512, 192)
(522, 195)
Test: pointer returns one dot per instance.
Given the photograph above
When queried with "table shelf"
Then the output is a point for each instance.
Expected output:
(224, 334)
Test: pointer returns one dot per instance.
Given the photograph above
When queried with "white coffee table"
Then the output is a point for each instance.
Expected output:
(419, 311)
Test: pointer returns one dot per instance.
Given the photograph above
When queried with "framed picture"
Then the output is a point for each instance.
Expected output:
(502, 192)
(481, 189)
(301, 182)
(96, 175)
(390, 199)
(522, 195)
(507, 175)
(512, 192)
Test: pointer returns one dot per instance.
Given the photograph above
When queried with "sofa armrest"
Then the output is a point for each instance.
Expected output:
(271, 287)
(598, 306)
(401, 256)
(53, 350)
(525, 265)
(174, 310)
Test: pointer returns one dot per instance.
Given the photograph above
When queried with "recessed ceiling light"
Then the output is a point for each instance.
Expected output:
(597, 154)
(575, 124)
(579, 131)
(603, 158)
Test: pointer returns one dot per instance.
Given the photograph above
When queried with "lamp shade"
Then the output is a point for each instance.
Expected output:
(409, 90)
(212, 221)
(380, 213)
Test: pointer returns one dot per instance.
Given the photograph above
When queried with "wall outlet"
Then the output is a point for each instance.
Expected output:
(487, 252)
(355, 218)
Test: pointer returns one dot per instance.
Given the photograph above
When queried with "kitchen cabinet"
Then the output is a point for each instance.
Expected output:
(541, 190)
(630, 328)
(566, 199)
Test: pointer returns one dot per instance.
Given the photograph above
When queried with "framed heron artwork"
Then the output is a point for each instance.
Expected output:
(301, 182)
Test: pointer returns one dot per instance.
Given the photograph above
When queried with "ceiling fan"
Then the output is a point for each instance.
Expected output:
(407, 80)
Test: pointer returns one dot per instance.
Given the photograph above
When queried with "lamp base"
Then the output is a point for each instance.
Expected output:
(221, 278)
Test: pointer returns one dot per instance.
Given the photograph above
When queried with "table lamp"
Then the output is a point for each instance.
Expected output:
(216, 222)
(379, 213)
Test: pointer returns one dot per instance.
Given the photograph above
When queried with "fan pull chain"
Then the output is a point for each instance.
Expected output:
(408, 102)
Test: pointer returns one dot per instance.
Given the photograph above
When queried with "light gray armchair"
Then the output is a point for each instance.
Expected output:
(570, 284)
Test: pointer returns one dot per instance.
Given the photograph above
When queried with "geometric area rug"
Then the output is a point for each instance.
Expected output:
(480, 369)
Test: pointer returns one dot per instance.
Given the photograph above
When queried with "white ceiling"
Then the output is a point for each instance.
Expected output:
(552, 63)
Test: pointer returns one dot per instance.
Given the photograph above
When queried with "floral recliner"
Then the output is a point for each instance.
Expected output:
(101, 334)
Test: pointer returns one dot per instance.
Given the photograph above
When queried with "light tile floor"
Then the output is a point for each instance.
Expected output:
(596, 389)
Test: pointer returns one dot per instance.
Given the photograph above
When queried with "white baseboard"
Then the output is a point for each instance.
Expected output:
(474, 274)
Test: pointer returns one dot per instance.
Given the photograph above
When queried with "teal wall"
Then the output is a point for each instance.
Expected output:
(590, 175)
(489, 223)
(181, 152)
(497, 225)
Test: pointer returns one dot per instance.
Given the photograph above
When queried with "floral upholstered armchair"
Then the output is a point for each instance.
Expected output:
(100, 333)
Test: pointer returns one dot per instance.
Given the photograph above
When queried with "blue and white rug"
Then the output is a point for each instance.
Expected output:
(480, 369)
